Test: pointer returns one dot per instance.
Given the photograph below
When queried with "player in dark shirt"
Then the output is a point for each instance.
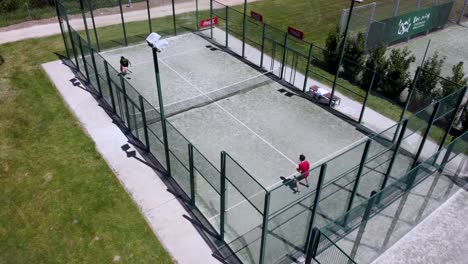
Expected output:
(124, 63)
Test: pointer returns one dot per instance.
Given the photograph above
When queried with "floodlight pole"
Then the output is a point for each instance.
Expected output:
(342, 50)
(161, 109)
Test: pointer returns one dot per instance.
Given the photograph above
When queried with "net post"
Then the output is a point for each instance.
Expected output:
(161, 110)
(366, 98)
(452, 119)
(266, 213)
(244, 28)
(84, 22)
(192, 175)
(127, 113)
(309, 60)
(222, 213)
(283, 60)
(60, 20)
(145, 125)
(263, 44)
(106, 67)
(426, 133)
(96, 72)
(83, 58)
(311, 251)
(227, 26)
(90, 6)
(395, 153)
(318, 190)
(211, 19)
(174, 18)
(149, 16)
(358, 177)
(123, 23)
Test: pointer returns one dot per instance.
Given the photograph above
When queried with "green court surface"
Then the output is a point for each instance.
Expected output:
(219, 103)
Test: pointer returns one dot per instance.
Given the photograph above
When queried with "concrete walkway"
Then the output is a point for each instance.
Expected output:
(161, 209)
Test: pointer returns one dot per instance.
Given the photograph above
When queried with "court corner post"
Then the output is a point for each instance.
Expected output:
(342, 51)
(323, 172)
(244, 28)
(192, 175)
(312, 247)
(309, 60)
(266, 213)
(222, 212)
(263, 44)
(161, 110)
(227, 26)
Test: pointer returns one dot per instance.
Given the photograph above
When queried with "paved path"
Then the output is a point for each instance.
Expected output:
(162, 211)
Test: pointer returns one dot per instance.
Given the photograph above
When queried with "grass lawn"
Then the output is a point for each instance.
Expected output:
(59, 201)
(22, 14)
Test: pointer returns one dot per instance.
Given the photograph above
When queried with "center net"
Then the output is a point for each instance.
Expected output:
(206, 98)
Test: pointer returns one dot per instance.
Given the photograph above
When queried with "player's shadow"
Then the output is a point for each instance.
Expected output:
(290, 183)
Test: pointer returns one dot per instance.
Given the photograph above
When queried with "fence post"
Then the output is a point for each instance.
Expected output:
(454, 116)
(306, 74)
(161, 110)
(395, 153)
(192, 175)
(266, 213)
(60, 20)
(263, 44)
(145, 125)
(196, 15)
(362, 227)
(408, 98)
(84, 22)
(123, 23)
(149, 16)
(447, 155)
(323, 171)
(227, 26)
(361, 115)
(358, 177)
(426, 133)
(90, 6)
(106, 67)
(127, 113)
(222, 196)
(283, 60)
(174, 18)
(75, 54)
(313, 245)
(96, 72)
(211, 19)
(84, 60)
(244, 28)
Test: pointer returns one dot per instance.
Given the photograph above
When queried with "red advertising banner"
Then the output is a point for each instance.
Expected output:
(296, 33)
(256, 16)
(207, 22)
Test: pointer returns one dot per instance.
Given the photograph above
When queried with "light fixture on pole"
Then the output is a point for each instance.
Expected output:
(343, 43)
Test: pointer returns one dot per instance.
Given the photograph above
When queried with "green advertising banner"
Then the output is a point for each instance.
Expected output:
(401, 27)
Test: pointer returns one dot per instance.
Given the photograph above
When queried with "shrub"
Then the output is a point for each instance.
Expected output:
(376, 62)
(453, 82)
(398, 76)
(355, 57)
(332, 50)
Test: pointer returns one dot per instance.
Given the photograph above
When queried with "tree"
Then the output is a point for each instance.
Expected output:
(376, 62)
(332, 50)
(398, 76)
(454, 82)
(355, 56)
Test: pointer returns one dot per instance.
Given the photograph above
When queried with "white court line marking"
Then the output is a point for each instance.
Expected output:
(214, 91)
(232, 116)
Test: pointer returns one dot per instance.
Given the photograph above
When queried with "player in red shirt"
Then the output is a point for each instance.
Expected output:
(303, 168)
